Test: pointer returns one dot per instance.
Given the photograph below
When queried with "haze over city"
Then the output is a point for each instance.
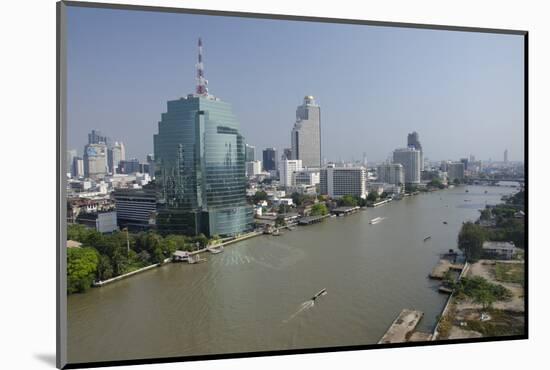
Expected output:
(462, 92)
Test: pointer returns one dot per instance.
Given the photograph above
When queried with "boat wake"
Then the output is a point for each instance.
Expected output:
(303, 307)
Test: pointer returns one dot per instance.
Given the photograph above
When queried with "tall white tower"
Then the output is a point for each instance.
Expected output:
(306, 134)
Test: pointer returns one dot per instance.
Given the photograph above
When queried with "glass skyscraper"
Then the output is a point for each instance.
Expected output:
(200, 169)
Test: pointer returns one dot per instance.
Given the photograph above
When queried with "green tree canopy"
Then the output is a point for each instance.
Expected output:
(372, 197)
(319, 209)
(470, 241)
(348, 201)
(82, 266)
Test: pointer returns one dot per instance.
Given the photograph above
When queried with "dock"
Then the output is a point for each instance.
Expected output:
(402, 328)
(344, 211)
(311, 220)
(442, 267)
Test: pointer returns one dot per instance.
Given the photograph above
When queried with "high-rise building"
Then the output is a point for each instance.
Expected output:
(287, 154)
(96, 137)
(286, 171)
(116, 153)
(339, 181)
(129, 166)
(70, 157)
(200, 166)
(77, 168)
(95, 161)
(465, 161)
(391, 173)
(306, 134)
(151, 163)
(253, 168)
(413, 141)
(506, 156)
(455, 171)
(306, 177)
(250, 153)
(410, 158)
(269, 156)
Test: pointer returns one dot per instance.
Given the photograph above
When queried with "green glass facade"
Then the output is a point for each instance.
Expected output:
(200, 169)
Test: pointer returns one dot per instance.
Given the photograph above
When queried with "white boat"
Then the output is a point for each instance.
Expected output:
(375, 220)
(215, 250)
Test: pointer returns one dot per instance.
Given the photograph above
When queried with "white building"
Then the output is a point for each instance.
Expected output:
(391, 173)
(411, 160)
(116, 154)
(287, 169)
(306, 134)
(253, 168)
(306, 177)
(339, 181)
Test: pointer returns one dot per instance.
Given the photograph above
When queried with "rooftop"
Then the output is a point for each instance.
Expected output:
(498, 245)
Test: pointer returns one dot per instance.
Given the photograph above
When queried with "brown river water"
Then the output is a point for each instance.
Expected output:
(254, 296)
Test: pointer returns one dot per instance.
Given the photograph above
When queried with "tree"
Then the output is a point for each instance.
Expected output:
(410, 188)
(348, 201)
(319, 209)
(485, 214)
(104, 268)
(280, 221)
(259, 196)
(456, 181)
(384, 195)
(81, 268)
(470, 241)
(372, 197)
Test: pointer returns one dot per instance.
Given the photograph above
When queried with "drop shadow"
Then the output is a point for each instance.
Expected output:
(47, 358)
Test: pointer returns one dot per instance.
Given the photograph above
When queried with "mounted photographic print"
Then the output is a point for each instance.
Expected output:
(235, 184)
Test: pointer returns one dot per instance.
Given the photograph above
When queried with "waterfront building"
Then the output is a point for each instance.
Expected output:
(250, 153)
(306, 177)
(339, 181)
(413, 141)
(287, 169)
(455, 170)
(306, 134)
(391, 173)
(269, 157)
(200, 166)
(104, 222)
(95, 161)
(116, 154)
(135, 208)
(253, 168)
(410, 159)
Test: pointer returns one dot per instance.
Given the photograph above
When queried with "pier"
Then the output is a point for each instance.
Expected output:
(311, 220)
(344, 211)
(402, 328)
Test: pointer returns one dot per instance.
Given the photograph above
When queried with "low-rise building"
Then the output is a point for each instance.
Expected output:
(104, 222)
(135, 208)
(499, 250)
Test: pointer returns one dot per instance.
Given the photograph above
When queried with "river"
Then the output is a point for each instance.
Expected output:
(253, 297)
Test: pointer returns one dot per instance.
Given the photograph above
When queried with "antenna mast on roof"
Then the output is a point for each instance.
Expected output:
(201, 81)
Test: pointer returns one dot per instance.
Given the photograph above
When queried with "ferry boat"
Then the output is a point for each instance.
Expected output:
(195, 259)
(375, 220)
(427, 238)
(276, 233)
(215, 250)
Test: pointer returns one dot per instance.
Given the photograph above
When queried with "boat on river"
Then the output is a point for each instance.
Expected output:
(376, 220)
(427, 238)
(215, 250)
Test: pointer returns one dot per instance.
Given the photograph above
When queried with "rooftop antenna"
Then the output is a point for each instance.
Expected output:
(201, 81)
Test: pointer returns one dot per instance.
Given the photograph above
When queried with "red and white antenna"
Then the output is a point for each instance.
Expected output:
(201, 81)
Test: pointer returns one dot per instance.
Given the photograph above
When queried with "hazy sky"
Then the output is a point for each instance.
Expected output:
(462, 92)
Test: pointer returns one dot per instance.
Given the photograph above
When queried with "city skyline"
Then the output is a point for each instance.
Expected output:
(471, 81)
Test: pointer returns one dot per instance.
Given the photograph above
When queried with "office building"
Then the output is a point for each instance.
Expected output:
(129, 166)
(306, 177)
(409, 158)
(116, 154)
(135, 208)
(506, 156)
(96, 137)
(269, 157)
(391, 173)
(77, 168)
(200, 166)
(287, 169)
(306, 134)
(95, 161)
(104, 222)
(413, 141)
(253, 168)
(250, 153)
(287, 154)
(455, 171)
(339, 181)
(71, 154)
